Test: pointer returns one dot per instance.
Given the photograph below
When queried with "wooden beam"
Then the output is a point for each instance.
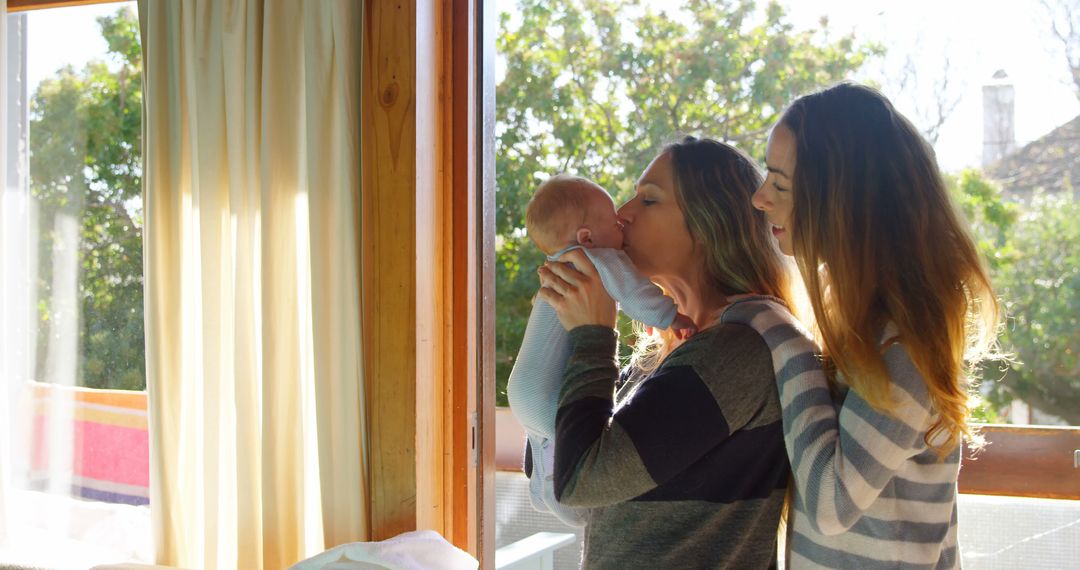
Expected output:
(459, 146)
(428, 272)
(27, 5)
(1024, 461)
(434, 287)
(452, 490)
(389, 246)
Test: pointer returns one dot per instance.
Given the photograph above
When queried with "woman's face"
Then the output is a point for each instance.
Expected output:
(774, 196)
(655, 236)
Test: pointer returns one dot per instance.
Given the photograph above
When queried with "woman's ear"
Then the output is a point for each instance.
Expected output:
(584, 237)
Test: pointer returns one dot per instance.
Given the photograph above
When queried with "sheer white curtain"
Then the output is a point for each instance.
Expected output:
(8, 366)
(251, 149)
(65, 500)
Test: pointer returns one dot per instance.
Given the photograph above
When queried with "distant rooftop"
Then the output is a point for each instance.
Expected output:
(1051, 163)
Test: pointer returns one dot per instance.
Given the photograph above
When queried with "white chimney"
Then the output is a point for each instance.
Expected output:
(999, 132)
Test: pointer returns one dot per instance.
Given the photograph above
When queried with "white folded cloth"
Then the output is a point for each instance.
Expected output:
(416, 550)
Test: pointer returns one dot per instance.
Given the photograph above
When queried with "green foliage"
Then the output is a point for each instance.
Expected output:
(85, 164)
(1040, 287)
(990, 217)
(597, 87)
(1035, 267)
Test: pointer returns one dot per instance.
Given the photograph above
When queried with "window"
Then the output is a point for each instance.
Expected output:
(596, 89)
(73, 367)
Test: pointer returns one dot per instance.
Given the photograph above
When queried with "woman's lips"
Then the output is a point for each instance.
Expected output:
(777, 230)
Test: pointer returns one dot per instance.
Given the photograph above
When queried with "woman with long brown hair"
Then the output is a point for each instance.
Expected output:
(903, 308)
(680, 460)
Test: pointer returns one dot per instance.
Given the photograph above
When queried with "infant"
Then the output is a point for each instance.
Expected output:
(567, 213)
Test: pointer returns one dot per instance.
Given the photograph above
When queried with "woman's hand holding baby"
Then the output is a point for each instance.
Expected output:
(576, 292)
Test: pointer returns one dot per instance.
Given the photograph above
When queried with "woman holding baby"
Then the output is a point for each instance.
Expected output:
(689, 469)
(872, 421)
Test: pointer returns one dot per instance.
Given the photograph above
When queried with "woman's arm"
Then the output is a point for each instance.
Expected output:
(843, 459)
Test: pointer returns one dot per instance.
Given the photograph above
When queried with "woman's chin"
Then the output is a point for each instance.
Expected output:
(642, 265)
(629, 251)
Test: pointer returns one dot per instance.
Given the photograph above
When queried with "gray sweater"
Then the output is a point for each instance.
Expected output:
(689, 469)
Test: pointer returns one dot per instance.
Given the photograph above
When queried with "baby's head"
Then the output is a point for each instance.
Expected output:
(569, 210)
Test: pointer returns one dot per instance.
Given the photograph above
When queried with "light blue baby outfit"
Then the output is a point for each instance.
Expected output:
(535, 381)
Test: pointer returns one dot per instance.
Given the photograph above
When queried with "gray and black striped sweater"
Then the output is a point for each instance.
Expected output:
(689, 470)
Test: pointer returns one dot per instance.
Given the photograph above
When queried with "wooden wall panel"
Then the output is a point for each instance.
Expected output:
(389, 238)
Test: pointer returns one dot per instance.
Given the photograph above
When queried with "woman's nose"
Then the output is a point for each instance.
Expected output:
(624, 214)
(760, 200)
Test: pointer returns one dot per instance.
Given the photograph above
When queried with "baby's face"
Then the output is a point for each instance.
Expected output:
(603, 220)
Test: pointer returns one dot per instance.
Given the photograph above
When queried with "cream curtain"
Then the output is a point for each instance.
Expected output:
(251, 149)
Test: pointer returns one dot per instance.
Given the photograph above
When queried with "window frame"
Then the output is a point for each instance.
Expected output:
(428, 183)
(439, 414)
(459, 86)
(24, 5)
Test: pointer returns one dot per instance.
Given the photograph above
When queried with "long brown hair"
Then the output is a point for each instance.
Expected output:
(877, 240)
(713, 186)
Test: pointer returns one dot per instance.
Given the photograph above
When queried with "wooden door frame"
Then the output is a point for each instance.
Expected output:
(427, 214)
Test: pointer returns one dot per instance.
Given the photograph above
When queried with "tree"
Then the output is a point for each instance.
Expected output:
(1040, 287)
(1035, 267)
(599, 86)
(86, 165)
(1065, 27)
(929, 109)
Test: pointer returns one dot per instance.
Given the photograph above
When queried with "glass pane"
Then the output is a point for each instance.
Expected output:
(1000, 533)
(998, 97)
(597, 88)
(79, 452)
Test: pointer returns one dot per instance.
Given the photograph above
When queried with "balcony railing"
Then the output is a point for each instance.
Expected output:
(1026, 525)
(96, 439)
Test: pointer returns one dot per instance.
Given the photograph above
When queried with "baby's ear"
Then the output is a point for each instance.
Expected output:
(584, 237)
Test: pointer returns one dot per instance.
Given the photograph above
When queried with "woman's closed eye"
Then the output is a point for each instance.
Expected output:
(777, 186)
(647, 202)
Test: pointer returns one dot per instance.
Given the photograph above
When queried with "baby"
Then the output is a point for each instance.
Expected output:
(566, 213)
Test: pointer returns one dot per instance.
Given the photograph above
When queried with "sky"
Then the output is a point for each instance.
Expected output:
(81, 35)
(977, 37)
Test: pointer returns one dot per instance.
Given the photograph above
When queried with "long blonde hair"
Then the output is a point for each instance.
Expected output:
(713, 185)
(877, 240)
